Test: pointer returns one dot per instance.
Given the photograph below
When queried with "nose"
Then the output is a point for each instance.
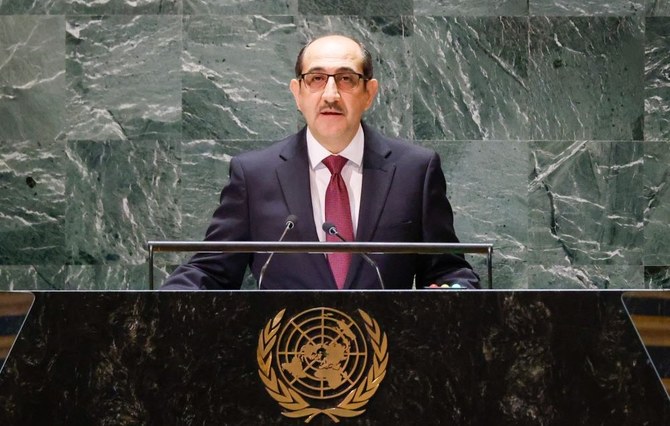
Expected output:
(330, 92)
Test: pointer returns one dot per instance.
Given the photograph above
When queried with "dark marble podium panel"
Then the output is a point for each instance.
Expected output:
(455, 357)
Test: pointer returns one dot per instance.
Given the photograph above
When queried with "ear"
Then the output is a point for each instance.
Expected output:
(371, 88)
(294, 85)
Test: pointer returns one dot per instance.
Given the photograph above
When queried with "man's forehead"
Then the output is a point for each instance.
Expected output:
(333, 52)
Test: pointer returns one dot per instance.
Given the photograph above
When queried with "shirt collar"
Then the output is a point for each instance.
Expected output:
(353, 152)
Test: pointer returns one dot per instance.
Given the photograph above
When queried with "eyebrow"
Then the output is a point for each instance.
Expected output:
(341, 69)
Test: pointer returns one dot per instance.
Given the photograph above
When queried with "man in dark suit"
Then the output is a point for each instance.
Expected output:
(339, 170)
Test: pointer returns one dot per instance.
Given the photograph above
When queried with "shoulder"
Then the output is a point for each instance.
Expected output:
(397, 149)
(273, 150)
(276, 152)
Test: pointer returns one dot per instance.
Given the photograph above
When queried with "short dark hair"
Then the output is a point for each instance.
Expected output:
(367, 57)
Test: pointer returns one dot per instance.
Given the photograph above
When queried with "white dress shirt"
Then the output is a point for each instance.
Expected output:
(319, 177)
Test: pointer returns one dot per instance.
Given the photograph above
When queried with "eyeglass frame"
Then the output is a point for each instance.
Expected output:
(301, 77)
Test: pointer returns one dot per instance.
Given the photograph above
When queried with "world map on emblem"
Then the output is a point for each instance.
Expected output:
(322, 353)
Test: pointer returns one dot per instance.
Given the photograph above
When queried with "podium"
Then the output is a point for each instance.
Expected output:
(409, 357)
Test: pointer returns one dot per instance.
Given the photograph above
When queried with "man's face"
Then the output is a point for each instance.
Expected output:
(333, 115)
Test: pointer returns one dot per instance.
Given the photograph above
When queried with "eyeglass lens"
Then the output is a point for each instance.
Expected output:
(344, 80)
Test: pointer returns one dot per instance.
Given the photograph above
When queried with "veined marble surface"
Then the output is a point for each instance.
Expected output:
(356, 7)
(240, 7)
(123, 77)
(120, 195)
(554, 277)
(204, 172)
(78, 277)
(234, 83)
(657, 7)
(118, 120)
(471, 7)
(586, 204)
(489, 200)
(122, 7)
(657, 79)
(460, 83)
(33, 202)
(35, 7)
(586, 7)
(31, 77)
(657, 276)
(656, 203)
(586, 78)
(88, 7)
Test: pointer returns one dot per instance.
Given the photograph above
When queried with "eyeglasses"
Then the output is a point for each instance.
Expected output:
(345, 81)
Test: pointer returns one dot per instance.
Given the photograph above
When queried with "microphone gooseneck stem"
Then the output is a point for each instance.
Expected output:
(332, 230)
(290, 223)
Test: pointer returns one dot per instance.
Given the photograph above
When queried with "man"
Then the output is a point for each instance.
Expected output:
(335, 170)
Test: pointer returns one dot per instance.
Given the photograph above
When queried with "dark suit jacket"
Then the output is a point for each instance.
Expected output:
(403, 199)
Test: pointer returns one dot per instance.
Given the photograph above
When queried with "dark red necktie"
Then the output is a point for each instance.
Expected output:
(338, 212)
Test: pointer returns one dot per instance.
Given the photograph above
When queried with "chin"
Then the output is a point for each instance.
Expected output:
(331, 131)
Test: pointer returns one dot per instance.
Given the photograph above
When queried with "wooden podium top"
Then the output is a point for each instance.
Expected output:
(409, 357)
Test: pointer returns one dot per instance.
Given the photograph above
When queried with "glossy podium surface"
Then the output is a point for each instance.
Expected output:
(452, 357)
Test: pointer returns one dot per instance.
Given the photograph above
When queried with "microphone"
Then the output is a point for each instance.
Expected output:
(291, 220)
(331, 229)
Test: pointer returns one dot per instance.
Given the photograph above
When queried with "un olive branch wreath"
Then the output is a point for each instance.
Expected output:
(296, 405)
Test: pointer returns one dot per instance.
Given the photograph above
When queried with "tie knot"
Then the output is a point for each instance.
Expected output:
(335, 163)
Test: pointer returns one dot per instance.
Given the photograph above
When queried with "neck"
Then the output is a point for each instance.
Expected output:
(334, 148)
(337, 144)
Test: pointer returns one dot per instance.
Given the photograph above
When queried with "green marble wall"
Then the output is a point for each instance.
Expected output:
(118, 119)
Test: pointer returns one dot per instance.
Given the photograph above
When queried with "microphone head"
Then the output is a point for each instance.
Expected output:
(291, 220)
(329, 228)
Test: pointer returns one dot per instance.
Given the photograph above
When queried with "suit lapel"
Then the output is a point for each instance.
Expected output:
(378, 172)
(293, 176)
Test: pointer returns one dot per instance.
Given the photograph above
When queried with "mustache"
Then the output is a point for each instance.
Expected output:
(332, 107)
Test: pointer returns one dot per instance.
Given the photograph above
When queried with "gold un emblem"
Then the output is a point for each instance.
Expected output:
(318, 362)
